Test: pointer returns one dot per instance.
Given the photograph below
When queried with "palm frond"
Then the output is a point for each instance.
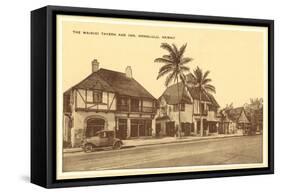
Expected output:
(209, 88)
(185, 60)
(198, 74)
(169, 48)
(182, 49)
(176, 51)
(206, 74)
(205, 81)
(166, 67)
(164, 72)
(184, 68)
(170, 78)
(182, 77)
(162, 60)
(168, 57)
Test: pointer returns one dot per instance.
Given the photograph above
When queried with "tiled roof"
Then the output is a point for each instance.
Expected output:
(114, 81)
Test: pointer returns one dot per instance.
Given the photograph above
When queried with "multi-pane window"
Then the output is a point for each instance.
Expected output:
(97, 96)
(135, 105)
(94, 96)
(176, 107)
(202, 108)
(182, 107)
(141, 127)
(122, 103)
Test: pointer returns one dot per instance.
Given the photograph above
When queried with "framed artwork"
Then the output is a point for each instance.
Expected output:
(125, 96)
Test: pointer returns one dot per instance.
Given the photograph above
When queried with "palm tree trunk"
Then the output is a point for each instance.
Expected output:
(179, 128)
(192, 123)
(201, 120)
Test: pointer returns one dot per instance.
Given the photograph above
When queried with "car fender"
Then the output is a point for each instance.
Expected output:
(117, 140)
(86, 143)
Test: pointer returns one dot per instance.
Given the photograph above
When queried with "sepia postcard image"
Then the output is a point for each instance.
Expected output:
(146, 97)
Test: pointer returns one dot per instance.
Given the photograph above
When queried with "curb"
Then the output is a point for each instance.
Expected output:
(187, 140)
(161, 143)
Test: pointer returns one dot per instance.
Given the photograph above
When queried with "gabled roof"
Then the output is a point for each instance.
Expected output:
(113, 81)
(171, 95)
(195, 93)
(94, 81)
(238, 115)
(213, 100)
(234, 113)
(253, 114)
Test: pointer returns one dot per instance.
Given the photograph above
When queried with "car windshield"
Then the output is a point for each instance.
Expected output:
(103, 134)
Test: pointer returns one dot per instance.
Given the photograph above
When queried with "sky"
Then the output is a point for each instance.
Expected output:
(235, 55)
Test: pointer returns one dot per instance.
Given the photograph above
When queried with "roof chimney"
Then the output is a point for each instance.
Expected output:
(95, 65)
(128, 71)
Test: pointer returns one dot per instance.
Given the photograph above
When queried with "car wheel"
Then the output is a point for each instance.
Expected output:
(117, 145)
(88, 148)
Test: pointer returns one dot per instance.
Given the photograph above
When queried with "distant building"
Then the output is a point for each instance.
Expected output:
(226, 125)
(190, 111)
(239, 118)
(255, 117)
(111, 100)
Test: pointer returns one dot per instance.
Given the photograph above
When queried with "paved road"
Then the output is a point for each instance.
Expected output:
(246, 149)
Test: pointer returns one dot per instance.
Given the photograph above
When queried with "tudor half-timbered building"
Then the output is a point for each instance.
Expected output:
(239, 119)
(110, 100)
(190, 110)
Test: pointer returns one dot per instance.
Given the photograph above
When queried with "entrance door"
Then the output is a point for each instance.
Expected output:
(122, 129)
(93, 126)
(141, 127)
(170, 128)
(198, 126)
(158, 129)
(186, 129)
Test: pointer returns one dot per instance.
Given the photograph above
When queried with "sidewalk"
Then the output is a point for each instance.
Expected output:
(163, 140)
(166, 140)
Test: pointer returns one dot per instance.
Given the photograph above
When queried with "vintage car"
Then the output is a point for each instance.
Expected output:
(102, 139)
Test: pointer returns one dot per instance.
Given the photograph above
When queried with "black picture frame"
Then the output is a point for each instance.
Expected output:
(43, 96)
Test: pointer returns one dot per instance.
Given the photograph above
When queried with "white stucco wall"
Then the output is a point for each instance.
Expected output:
(108, 100)
(186, 115)
(196, 106)
(80, 118)
(211, 116)
(147, 103)
(79, 124)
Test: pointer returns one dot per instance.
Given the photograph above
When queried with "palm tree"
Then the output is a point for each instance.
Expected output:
(223, 118)
(174, 67)
(254, 111)
(200, 80)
